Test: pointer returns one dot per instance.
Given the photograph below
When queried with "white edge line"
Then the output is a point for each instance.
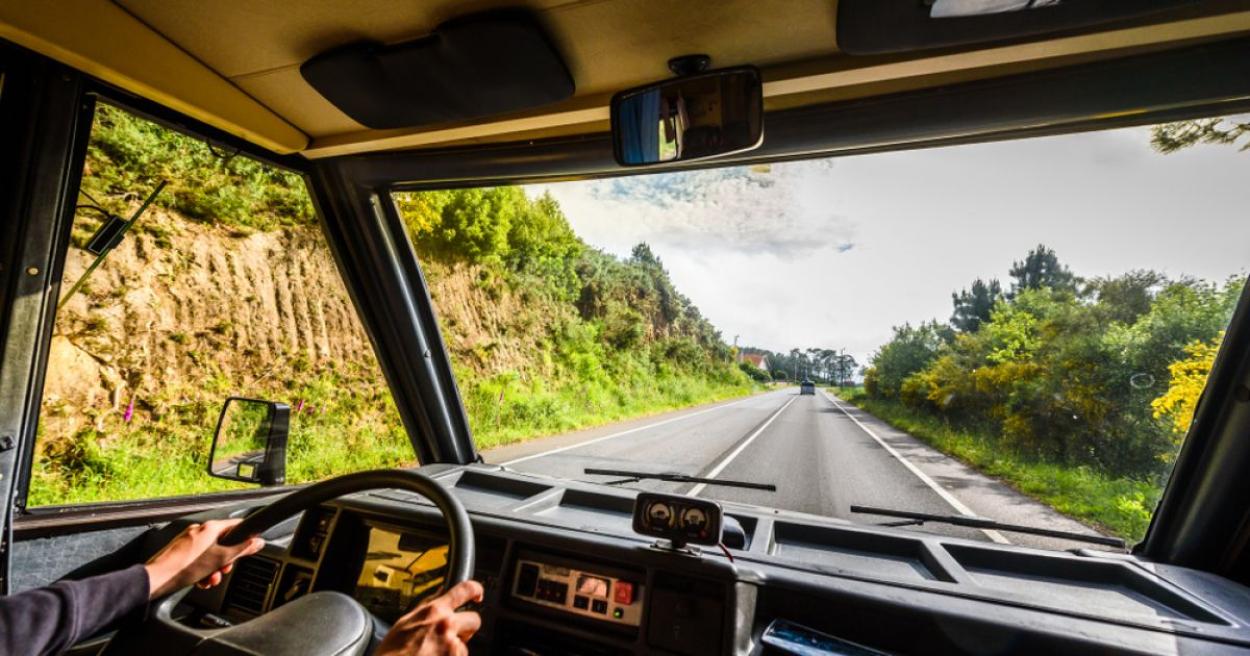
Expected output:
(624, 432)
(946, 496)
(720, 467)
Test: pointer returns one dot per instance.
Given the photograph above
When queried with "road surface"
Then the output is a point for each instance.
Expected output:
(822, 454)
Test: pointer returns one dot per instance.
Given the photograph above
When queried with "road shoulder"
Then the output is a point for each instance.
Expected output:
(982, 494)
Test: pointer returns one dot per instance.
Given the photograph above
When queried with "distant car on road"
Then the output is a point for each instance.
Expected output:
(807, 387)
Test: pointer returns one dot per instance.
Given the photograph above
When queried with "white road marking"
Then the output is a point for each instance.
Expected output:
(720, 467)
(941, 492)
(624, 432)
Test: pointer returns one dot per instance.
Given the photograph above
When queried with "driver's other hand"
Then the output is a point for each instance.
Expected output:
(434, 627)
(195, 557)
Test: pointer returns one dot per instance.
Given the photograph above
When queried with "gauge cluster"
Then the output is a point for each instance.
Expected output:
(683, 520)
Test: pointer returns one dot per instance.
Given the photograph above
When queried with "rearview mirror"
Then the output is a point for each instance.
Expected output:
(250, 442)
(692, 117)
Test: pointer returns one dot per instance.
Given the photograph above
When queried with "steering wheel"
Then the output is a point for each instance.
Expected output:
(329, 623)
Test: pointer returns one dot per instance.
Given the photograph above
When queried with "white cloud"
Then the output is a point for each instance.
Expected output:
(833, 253)
(723, 211)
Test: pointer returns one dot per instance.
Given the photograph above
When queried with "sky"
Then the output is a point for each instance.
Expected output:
(833, 253)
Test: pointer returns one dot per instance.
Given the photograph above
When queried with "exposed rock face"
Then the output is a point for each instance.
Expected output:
(179, 303)
(183, 312)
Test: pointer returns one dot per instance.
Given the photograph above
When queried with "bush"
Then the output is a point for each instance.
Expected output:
(1066, 376)
(128, 155)
(755, 373)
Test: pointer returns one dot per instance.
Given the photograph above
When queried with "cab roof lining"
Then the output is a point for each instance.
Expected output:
(238, 70)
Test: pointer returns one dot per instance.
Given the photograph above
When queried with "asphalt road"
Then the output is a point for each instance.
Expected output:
(823, 455)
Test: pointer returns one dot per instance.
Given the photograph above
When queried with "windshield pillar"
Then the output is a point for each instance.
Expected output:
(386, 284)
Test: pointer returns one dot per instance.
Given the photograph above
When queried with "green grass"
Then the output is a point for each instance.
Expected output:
(163, 450)
(528, 411)
(165, 453)
(1120, 506)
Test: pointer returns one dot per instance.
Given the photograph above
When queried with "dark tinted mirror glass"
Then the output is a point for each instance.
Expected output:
(687, 118)
(250, 442)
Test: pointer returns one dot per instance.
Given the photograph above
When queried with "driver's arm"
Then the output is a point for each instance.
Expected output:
(51, 619)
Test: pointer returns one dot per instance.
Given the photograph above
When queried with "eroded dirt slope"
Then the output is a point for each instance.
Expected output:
(183, 312)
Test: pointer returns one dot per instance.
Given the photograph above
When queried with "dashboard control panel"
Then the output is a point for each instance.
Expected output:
(580, 592)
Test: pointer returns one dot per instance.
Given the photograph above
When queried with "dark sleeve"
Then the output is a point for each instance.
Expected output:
(52, 619)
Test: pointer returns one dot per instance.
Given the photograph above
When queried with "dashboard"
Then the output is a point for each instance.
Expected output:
(566, 573)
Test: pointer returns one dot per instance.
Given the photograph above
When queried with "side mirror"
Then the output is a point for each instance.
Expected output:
(250, 442)
(691, 117)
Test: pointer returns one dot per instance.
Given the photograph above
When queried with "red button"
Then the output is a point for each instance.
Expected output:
(623, 593)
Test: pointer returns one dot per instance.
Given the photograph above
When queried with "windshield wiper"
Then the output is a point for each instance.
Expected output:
(634, 477)
(917, 518)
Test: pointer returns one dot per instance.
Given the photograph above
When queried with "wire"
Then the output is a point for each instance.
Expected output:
(101, 210)
(225, 159)
(89, 196)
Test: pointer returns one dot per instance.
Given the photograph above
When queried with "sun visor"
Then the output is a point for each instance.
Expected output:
(467, 68)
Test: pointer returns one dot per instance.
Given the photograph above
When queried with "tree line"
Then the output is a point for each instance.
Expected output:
(630, 303)
(1101, 372)
(818, 364)
(1105, 372)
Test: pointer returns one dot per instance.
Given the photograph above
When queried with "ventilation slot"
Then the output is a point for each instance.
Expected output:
(250, 584)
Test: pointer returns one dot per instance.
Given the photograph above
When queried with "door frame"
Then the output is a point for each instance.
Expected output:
(49, 109)
(45, 137)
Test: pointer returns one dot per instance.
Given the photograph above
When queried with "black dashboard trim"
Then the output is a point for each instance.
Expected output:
(961, 584)
(764, 575)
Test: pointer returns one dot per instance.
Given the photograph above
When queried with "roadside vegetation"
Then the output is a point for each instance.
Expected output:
(1119, 505)
(587, 337)
(1078, 392)
(227, 288)
(821, 365)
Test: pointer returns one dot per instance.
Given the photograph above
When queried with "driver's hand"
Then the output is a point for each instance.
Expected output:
(434, 627)
(195, 557)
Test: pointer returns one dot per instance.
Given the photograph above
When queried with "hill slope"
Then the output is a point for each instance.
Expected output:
(227, 288)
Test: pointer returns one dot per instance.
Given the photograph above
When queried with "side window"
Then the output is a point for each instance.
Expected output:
(224, 287)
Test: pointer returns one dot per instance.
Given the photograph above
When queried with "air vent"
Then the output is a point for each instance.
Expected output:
(250, 585)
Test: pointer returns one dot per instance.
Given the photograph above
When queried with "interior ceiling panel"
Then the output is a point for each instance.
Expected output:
(235, 64)
(608, 44)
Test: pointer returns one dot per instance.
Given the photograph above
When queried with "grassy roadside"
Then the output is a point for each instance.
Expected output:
(336, 433)
(1120, 506)
(522, 414)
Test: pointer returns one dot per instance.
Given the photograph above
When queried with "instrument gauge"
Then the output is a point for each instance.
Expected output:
(694, 519)
(679, 519)
(660, 515)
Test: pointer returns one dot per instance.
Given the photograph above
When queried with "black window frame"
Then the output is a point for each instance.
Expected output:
(352, 195)
(54, 119)
(1194, 81)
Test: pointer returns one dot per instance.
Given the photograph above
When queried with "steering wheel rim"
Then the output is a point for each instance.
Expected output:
(461, 549)
(162, 632)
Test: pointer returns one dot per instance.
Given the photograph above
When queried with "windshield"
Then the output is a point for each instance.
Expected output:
(1016, 330)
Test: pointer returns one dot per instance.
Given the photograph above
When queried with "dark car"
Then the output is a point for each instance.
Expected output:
(807, 387)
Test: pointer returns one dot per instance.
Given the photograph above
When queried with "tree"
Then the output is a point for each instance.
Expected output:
(844, 368)
(1188, 378)
(1041, 268)
(910, 351)
(1126, 297)
(1168, 138)
(973, 306)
